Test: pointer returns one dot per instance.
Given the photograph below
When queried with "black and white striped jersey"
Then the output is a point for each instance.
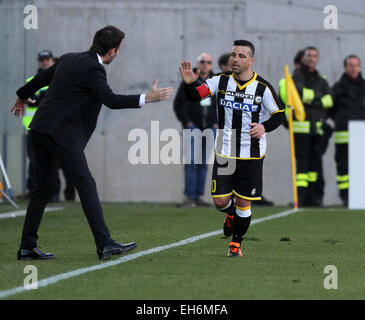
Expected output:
(238, 105)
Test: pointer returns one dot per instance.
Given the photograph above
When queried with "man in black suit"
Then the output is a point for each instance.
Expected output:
(61, 128)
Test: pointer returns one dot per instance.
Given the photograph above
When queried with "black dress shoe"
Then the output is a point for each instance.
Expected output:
(115, 248)
(34, 254)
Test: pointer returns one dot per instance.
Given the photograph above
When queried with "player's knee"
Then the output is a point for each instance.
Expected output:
(243, 203)
(221, 202)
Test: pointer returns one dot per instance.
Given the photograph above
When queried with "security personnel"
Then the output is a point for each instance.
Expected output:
(349, 104)
(45, 60)
(311, 136)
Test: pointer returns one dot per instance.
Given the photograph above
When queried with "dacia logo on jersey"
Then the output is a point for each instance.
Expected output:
(235, 105)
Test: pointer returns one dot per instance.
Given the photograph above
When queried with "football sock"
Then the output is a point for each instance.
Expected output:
(229, 209)
(241, 223)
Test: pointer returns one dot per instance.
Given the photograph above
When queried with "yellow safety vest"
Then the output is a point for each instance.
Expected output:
(308, 96)
(30, 110)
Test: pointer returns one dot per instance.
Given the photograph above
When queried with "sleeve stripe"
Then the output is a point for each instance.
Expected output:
(280, 110)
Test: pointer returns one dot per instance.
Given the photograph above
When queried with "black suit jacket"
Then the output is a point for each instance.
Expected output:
(70, 108)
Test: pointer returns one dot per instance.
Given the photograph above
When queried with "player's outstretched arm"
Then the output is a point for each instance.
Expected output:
(157, 94)
(187, 73)
(192, 92)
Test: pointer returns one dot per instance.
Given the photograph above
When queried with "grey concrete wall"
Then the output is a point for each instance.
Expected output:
(17, 61)
(159, 34)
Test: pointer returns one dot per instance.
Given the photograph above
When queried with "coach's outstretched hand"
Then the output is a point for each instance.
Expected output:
(19, 106)
(187, 73)
(158, 94)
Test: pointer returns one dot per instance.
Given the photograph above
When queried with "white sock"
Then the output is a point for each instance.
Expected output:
(243, 212)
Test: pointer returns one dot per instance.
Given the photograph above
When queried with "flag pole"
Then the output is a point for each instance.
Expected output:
(292, 156)
(294, 103)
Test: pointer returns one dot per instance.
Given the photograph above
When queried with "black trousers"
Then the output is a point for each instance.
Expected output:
(69, 192)
(46, 156)
(31, 179)
(341, 157)
(31, 173)
(308, 153)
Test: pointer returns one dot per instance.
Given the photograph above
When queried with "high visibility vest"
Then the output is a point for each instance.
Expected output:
(308, 96)
(30, 110)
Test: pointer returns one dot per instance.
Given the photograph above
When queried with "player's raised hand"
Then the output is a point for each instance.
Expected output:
(257, 130)
(158, 94)
(187, 73)
(19, 106)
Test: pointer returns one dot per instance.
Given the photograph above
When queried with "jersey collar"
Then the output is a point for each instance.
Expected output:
(241, 87)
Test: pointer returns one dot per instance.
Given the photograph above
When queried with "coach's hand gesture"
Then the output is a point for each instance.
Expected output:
(19, 106)
(187, 73)
(158, 94)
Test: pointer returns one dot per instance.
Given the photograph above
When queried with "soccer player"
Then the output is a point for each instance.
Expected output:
(247, 108)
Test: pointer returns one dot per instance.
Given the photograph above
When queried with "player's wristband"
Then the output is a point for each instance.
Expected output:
(203, 91)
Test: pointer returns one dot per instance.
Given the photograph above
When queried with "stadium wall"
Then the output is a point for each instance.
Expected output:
(159, 34)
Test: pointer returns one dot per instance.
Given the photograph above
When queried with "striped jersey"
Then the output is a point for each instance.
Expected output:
(238, 105)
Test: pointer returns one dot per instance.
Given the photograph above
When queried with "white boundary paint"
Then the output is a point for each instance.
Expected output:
(46, 282)
(19, 213)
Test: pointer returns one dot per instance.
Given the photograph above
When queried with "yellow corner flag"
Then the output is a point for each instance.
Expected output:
(293, 102)
(292, 94)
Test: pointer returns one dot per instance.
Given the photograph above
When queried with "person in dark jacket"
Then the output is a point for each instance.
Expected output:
(197, 115)
(349, 104)
(311, 135)
(45, 61)
(224, 62)
(61, 128)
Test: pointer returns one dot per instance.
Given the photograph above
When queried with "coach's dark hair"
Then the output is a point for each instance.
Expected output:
(245, 43)
(351, 56)
(311, 48)
(107, 38)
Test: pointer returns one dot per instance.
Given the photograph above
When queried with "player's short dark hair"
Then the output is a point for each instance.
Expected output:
(351, 56)
(245, 43)
(224, 59)
(107, 38)
(299, 56)
(311, 48)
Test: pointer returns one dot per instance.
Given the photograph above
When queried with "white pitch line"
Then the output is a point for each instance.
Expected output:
(20, 213)
(77, 272)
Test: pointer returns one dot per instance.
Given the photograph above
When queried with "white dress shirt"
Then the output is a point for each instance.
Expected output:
(142, 97)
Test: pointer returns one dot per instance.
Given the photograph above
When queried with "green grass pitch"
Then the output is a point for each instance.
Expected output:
(270, 268)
